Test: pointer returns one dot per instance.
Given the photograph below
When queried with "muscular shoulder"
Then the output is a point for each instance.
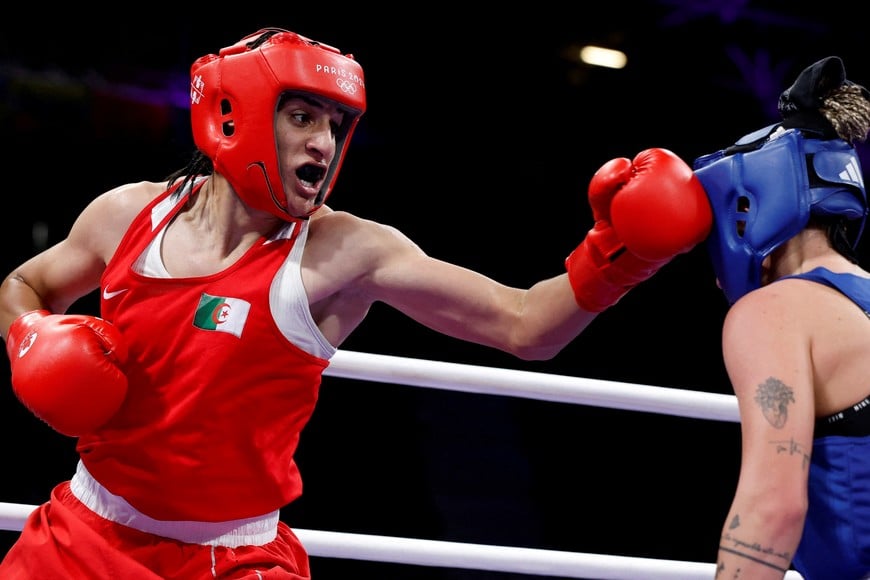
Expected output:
(790, 304)
(105, 220)
(348, 255)
(769, 330)
(770, 308)
(356, 235)
(129, 199)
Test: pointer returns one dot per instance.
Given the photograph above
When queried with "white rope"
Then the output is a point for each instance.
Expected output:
(12, 515)
(477, 379)
(441, 554)
(499, 558)
(532, 385)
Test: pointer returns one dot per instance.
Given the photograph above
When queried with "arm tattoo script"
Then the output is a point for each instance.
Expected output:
(773, 396)
(792, 447)
(752, 551)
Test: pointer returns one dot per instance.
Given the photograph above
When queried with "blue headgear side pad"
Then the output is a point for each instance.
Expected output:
(763, 190)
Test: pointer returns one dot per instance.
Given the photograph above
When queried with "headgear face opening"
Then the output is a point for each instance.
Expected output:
(763, 191)
(234, 97)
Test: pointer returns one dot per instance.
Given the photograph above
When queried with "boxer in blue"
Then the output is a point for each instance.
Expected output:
(789, 208)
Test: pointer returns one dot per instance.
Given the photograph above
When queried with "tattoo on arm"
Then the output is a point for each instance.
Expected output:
(750, 550)
(792, 447)
(720, 572)
(773, 396)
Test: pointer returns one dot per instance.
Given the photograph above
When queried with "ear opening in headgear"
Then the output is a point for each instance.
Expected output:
(227, 126)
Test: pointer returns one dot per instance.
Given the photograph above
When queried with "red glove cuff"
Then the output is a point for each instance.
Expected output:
(599, 281)
(592, 291)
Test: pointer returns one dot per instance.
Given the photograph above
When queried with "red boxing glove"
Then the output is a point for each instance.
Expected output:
(646, 212)
(65, 369)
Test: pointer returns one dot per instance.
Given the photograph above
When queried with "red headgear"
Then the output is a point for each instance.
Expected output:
(234, 96)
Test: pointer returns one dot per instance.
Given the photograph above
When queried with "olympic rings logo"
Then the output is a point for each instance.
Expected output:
(346, 86)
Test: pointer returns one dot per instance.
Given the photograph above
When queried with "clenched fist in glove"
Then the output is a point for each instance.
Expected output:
(65, 369)
(646, 210)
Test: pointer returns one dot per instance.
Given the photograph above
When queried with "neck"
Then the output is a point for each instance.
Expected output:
(806, 251)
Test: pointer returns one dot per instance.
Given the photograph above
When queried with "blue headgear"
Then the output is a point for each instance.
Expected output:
(763, 191)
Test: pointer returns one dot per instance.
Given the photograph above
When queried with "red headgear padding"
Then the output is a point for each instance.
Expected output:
(234, 96)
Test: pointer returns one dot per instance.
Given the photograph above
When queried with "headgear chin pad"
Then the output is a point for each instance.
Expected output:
(763, 191)
(234, 96)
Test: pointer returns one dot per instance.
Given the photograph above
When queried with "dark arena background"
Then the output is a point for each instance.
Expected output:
(482, 132)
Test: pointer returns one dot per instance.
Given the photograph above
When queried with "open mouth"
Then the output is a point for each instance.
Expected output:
(310, 174)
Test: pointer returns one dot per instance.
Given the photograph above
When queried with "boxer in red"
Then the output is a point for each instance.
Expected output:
(225, 291)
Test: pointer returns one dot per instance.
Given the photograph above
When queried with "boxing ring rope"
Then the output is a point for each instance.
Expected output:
(511, 383)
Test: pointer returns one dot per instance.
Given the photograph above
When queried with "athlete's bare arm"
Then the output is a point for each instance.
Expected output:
(351, 263)
(67, 271)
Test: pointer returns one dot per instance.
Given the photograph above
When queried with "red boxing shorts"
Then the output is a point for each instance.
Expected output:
(64, 539)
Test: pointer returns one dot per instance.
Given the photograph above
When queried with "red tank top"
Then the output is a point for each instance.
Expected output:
(224, 372)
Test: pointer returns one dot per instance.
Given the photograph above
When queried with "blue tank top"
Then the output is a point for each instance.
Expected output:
(835, 544)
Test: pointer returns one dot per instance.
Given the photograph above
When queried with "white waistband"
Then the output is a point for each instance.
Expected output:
(254, 531)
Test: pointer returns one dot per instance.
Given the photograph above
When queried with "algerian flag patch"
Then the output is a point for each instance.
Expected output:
(221, 313)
